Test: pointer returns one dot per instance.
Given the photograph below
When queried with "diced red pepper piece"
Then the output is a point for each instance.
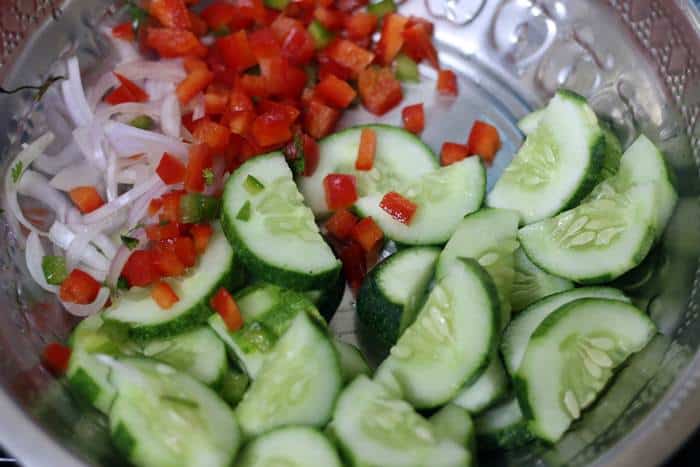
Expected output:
(240, 123)
(170, 210)
(164, 295)
(119, 95)
(379, 89)
(219, 14)
(55, 357)
(199, 159)
(311, 155)
(360, 25)
(79, 287)
(154, 206)
(254, 86)
(341, 223)
(86, 198)
(201, 233)
(414, 20)
(282, 110)
(367, 233)
(366, 150)
(320, 119)
(162, 231)
(170, 169)
(400, 208)
(341, 190)
(282, 78)
(391, 39)
(252, 9)
(199, 26)
(170, 13)
(329, 18)
(140, 269)
(484, 141)
(214, 135)
(453, 152)
(328, 66)
(335, 92)
(283, 24)
(236, 51)
(350, 5)
(127, 92)
(352, 255)
(298, 46)
(216, 99)
(223, 303)
(447, 83)
(271, 128)
(238, 101)
(264, 43)
(196, 82)
(124, 31)
(419, 45)
(168, 263)
(413, 117)
(171, 43)
(349, 55)
(194, 63)
(185, 251)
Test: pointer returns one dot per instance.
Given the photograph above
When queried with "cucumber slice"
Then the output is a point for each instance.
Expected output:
(162, 417)
(503, 427)
(290, 447)
(352, 363)
(529, 123)
(374, 429)
(392, 293)
(328, 299)
(490, 237)
(233, 386)
(443, 197)
(599, 240)
(267, 312)
(297, 384)
(279, 241)
(400, 158)
(88, 380)
(531, 283)
(453, 422)
(488, 389)
(518, 333)
(451, 340)
(199, 353)
(557, 166)
(146, 320)
(571, 357)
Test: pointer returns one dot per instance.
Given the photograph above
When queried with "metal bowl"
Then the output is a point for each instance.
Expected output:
(638, 62)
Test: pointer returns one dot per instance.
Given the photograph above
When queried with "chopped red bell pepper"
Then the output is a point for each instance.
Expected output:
(185, 250)
(328, 66)
(219, 14)
(341, 223)
(238, 101)
(194, 63)
(254, 86)
(196, 82)
(329, 18)
(352, 255)
(447, 83)
(167, 262)
(360, 25)
(164, 295)
(212, 134)
(86, 198)
(413, 118)
(199, 159)
(400, 208)
(128, 91)
(79, 287)
(298, 46)
(223, 303)
(484, 141)
(453, 152)
(140, 269)
(414, 20)
(271, 128)
(282, 78)
(418, 44)
(349, 55)
(139, 94)
(236, 51)
(216, 99)
(170, 169)
(335, 92)
(283, 24)
(366, 150)
(320, 119)
(162, 231)
(170, 43)
(119, 95)
(350, 5)
(252, 9)
(341, 190)
(199, 26)
(279, 109)
(367, 233)
(170, 210)
(379, 89)
(201, 233)
(309, 151)
(154, 206)
(240, 123)
(124, 31)
(55, 357)
(170, 13)
(264, 43)
(391, 39)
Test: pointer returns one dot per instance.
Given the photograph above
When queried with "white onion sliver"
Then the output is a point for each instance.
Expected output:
(135, 174)
(90, 309)
(158, 90)
(75, 175)
(89, 141)
(128, 141)
(96, 93)
(198, 110)
(64, 237)
(125, 199)
(35, 185)
(34, 254)
(170, 71)
(77, 248)
(138, 211)
(111, 185)
(53, 164)
(171, 116)
(152, 109)
(104, 243)
(74, 95)
(98, 274)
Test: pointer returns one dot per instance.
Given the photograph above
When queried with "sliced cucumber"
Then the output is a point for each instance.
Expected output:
(88, 379)
(267, 312)
(328, 299)
(392, 293)
(199, 353)
(490, 237)
(443, 197)
(297, 384)
(278, 241)
(451, 340)
(352, 363)
(571, 357)
(290, 447)
(233, 386)
(399, 159)
(374, 429)
(146, 320)
(599, 240)
(453, 422)
(531, 283)
(529, 123)
(518, 333)
(503, 427)
(162, 417)
(488, 389)
(557, 166)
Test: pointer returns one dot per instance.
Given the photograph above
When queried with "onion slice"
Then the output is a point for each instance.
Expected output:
(35, 185)
(163, 70)
(74, 95)
(122, 201)
(76, 175)
(89, 309)
(128, 140)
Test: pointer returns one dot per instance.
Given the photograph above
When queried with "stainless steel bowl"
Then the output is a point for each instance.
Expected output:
(638, 61)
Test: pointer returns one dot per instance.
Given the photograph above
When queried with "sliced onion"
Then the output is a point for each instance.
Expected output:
(130, 109)
(128, 140)
(126, 199)
(198, 110)
(58, 122)
(34, 254)
(74, 95)
(111, 186)
(158, 90)
(171, 116)
(125, 49)
(108, 225)
(53, 164)
(95, 93)
(89, 140)
(35, 185)
(76, 175)
(90, 309)
(140, 208)
(134, 174)
(77, 248)
(164, 70)
(98, 274)
(64, 237)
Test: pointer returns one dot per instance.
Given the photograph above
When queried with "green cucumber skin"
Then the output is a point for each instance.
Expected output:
(331, 297)
(123, 440)
(509, 438)
(520, 387)
(84, 387)
(593, 172)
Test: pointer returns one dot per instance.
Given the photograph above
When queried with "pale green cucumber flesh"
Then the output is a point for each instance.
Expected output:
(488, 389)
(290, 447)
(531, 283)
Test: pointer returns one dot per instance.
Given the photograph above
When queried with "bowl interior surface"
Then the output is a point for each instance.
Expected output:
(635, 61)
